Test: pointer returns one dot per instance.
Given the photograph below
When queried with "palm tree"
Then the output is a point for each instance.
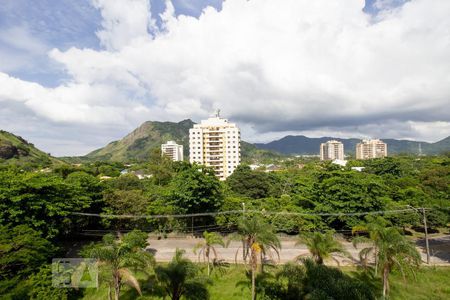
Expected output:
(394, 250)
(118, 256)
(373, 227)
(259, 239)
(207, 246)
(322, 246)
(180, 278)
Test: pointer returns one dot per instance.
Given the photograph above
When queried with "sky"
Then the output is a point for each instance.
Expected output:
(76, 75)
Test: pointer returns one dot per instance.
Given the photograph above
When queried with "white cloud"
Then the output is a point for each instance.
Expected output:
(300, 66)
(123, 21)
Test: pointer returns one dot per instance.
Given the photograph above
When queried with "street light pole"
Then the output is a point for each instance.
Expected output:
(426, 235)
(244, 249)
(427, 246)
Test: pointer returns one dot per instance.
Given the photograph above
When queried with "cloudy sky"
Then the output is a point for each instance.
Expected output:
(75, 75)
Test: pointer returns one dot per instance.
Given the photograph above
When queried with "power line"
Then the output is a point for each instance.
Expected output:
(112, 216)
(157, 216)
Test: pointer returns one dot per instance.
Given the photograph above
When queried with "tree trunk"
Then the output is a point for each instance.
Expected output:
(319, 260)
(109, 292)
(207, 258)
(385, 281)
(176, 296)
(262, 262)
(116, 287)
(376, 260)
(253, 283)
(254, 265)
(177, 293)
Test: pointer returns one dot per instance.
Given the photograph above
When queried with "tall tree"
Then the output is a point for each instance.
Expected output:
(207, 247)
(390, 249)
(22, 251)
(118, 256)
(374, 227)
(161, 167)
(259, 239)
(253, 184)
(348, 191)
(124, 202)
(196, 189)
(180, 278)
(395, 251)
(41, 201)
(322, 246)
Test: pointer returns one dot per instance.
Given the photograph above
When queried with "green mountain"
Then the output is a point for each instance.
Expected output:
(137, 145)
(16, 150)
(291, 145)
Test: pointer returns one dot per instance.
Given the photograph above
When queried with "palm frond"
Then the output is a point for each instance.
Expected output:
(128, 278)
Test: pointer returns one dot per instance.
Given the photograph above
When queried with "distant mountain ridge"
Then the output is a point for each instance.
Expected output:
(137, 145)
(16, 150)
(302, 145)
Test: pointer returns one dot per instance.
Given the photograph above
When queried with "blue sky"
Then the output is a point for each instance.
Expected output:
(60, 24)
(374, 68)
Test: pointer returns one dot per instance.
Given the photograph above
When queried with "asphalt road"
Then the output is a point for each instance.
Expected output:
(164, 250)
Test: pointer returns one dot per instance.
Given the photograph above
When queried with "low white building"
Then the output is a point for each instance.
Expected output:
(359, 169)
(172, 150)
(340, 162)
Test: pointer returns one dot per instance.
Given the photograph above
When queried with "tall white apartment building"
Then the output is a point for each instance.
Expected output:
(216, 143)
(172, 150)
(332, 150)
(368, 149)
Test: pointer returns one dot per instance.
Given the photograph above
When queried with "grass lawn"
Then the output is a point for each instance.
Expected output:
(430, 283)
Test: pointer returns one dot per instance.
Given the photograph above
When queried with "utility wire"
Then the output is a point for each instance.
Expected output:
(111, 216)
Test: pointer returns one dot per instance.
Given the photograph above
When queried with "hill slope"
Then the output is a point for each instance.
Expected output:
(438, 147)
(304, 145)
(16, 150)
(137, 145)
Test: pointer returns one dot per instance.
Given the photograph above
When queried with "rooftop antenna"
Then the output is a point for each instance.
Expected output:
(217, 114)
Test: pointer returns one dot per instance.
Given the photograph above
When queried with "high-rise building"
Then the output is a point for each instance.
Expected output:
(216, 143)
(332, 150)
(172, 150)
(368, 149)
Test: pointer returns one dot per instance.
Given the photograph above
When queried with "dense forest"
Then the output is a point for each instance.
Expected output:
(41, 209)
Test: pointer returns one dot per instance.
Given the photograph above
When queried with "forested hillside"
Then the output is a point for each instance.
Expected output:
(16, 150)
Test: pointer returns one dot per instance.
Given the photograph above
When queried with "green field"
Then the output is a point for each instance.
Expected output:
(429, 283)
